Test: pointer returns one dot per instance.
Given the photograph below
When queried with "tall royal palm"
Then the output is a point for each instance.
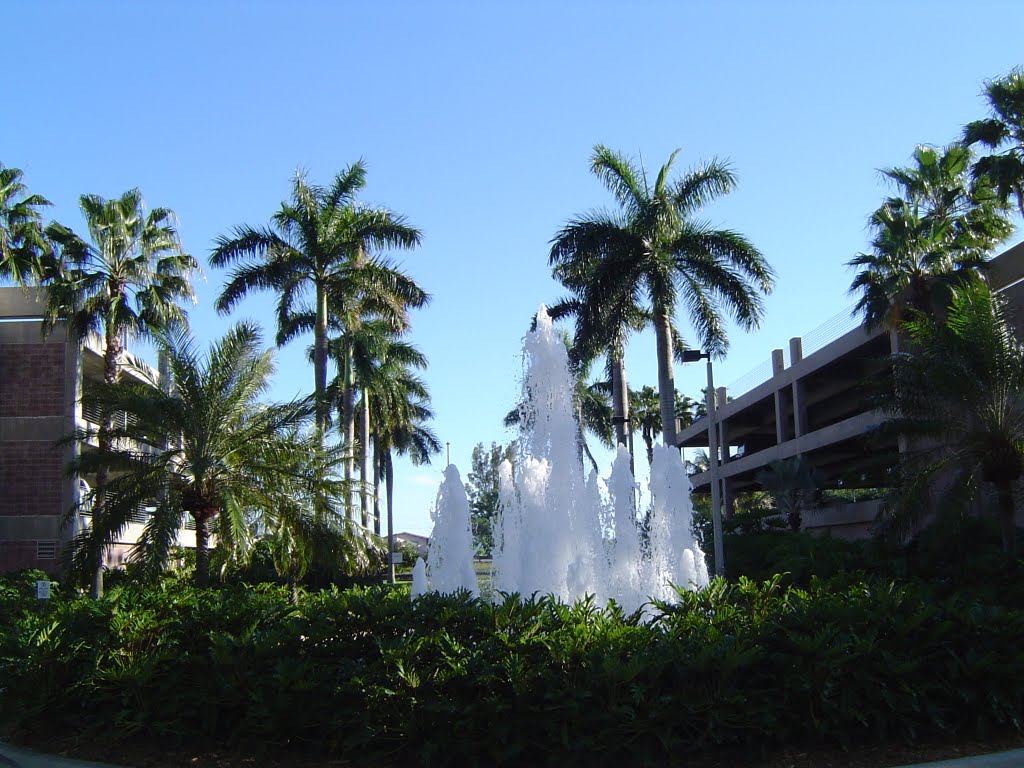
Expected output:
(647, 417)
(22, 243)
(400, 412)
(936, 231)
(375, 354)
(314, 240)
(653, 250)
(368, 301)
(126, 283)
(387, 368)
(600, 327)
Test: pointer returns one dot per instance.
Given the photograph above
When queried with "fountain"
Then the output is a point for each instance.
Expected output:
(558, 532)
(419, 578)
(450, 552)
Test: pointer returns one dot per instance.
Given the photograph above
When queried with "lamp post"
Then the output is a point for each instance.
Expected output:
(692, 356)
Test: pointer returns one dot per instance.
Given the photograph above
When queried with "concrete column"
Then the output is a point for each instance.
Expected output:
(728, 499)
(71, 494)
(894, 346)
(721, 397)
(799, 409)
(723, 440)
(796, 354)
(780, 417)
(163, 363)
(796, 350)
(778, 365)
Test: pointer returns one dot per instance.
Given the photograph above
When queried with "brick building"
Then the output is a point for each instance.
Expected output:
(40, 403)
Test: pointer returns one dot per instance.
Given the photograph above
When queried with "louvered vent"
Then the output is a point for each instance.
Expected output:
(46, 550)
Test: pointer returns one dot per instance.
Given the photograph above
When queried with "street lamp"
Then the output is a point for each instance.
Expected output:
(692, 356)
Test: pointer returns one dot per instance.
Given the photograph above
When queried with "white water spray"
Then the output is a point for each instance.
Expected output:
(450, 552)
(556, 532)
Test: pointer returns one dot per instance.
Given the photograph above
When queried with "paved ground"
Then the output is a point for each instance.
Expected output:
(1012, 759)
(13, 757)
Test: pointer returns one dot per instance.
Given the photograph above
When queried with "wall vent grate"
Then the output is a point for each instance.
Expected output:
(46, 550)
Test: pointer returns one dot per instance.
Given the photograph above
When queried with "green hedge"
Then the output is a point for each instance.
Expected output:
(454, 681)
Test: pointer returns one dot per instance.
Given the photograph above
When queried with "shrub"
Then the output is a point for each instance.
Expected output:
(452, 680)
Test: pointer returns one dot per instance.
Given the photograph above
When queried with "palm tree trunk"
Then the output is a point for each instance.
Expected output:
(666, 382)
(320, 359)
(364, 457)
(389, 485)
(376, 484)
(293, 581)
(1007, 521)
(111, 358)
(581, 441)
(348, 409)
(202, 576)
(620, 400)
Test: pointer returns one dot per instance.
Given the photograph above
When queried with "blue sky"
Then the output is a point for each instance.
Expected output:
(477, 121)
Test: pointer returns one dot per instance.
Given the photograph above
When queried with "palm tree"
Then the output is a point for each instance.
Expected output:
(599, 328)
(654, 251)
(209, 449)
(959, 396)
(937, 230)
(314, 244)
(688, 410)
(124, 284)
(376, 354)
(592, 410)
(790, 483)
(368, 301)
(21, 233)
(1004, 133)
(646, 408)
(308, 524)
(399, 412)
(593, 414)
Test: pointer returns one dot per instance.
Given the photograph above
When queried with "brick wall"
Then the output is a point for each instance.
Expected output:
(16, 555)
(30, 478)
(32, 386)
(31, 379)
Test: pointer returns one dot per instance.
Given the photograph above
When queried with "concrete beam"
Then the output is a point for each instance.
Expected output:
(824, 357)
(842, 514)
(29, 527)
(821, 438)
(46, 428)
(29, 303)
(1006, 268)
